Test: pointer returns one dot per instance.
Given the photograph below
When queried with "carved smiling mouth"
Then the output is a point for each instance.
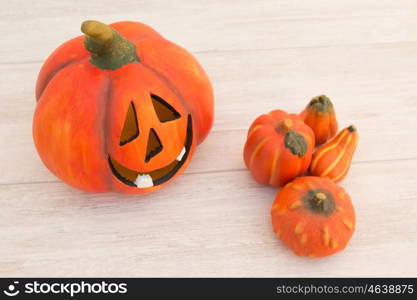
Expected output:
(154, 178)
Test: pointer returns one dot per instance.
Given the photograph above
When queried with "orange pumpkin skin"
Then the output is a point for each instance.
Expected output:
(313, 216)
(266, 154)
(333, 159)
(321, 117)
(82, 107)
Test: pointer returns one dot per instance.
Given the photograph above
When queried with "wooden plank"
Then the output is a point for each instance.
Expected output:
(222, 151)
(371, 86)
(193, 228)
(214, 25)
(362, 81)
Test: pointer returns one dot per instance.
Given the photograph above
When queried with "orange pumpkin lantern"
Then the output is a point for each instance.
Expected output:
(278, 148)
(333, 159)
(313, 216)
(120, 109)
(321, 117)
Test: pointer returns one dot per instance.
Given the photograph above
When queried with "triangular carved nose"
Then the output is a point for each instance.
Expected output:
(154, 145)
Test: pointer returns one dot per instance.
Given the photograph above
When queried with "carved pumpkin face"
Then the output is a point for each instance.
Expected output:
(151, 134)
(121, 109)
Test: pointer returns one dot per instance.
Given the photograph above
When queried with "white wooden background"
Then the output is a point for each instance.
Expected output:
(214, 220)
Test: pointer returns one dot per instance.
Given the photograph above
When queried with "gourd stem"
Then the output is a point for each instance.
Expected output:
(320, 104)
(320, 200)
(109, 50)
(293, 141)
(352, 128)
(320, 197)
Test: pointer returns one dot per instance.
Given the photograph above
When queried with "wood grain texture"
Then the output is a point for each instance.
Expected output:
(214, 220)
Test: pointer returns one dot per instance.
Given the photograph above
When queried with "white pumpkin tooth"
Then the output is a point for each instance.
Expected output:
(181, 155)
(144, 181)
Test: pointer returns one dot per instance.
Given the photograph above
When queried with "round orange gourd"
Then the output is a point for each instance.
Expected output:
(313, 216)
(333, 159)
(120, 109)
(278, 148)
(321, 117)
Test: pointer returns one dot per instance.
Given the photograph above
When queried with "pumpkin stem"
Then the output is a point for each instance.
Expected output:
(351, 128)
(320, 197)
(321, 104)
(295, 143)
(318, 202)
(109, 50)
(286, 125)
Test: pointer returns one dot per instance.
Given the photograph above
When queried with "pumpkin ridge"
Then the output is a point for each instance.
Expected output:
(107, 98)
(309, 138)
(54, 72)
(257, 149)
(274, 166)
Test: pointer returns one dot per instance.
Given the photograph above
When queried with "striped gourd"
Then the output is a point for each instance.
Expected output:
(333, 159)
(278, 148)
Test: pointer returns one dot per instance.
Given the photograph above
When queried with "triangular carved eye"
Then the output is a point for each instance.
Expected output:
(130, 129)
(154, 145)
(164, 111)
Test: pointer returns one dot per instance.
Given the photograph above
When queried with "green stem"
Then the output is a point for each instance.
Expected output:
(109, 50)
(319, 202)
(352, 128)
(321, 104)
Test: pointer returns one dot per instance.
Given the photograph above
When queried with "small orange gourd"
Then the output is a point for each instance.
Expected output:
(313, 216)
(333, 159)
(278, 148)
(321, 117)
